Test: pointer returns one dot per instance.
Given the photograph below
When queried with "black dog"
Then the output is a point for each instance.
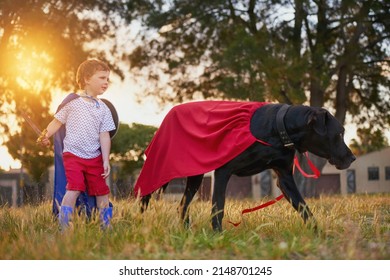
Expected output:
(287, 129)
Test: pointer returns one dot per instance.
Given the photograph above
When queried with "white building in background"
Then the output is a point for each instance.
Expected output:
(369, 173)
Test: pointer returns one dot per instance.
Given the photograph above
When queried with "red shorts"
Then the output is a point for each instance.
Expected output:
(85, 174)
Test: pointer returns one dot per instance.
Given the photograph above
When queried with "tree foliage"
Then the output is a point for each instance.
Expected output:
(327, 53)
(370, 141)
(41, 44)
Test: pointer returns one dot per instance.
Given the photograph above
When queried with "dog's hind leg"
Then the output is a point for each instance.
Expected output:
(222, 176)
(192, 186)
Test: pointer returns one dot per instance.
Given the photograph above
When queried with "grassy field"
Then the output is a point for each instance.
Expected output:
(350, 227)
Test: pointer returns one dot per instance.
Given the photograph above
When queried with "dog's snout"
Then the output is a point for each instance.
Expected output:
(353, 158)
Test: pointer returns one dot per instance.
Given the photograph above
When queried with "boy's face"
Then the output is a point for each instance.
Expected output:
(98, 83)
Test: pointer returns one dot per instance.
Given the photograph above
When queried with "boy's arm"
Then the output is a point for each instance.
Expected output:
(52, 128)
(105, 144)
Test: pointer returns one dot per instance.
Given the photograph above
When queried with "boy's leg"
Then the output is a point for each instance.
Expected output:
(64, 216)
(98, 187)
(70, 198)
(67, 205)
(105, 211)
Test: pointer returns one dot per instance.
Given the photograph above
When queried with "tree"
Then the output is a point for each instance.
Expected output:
(325, 53)
(369, 141)
(41, 44)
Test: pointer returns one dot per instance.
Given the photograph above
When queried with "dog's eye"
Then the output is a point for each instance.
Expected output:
(339, 136)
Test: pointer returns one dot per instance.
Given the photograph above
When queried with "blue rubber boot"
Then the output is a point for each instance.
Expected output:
(105, 217)
(64, 216)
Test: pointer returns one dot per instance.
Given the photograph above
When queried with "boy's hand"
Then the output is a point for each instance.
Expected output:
(42, 139)
(107, 169)
(45, 142)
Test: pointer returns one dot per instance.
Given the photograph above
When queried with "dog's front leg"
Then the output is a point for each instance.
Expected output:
(288, 187)
(146, 198)
(221, 179)
(145, 202)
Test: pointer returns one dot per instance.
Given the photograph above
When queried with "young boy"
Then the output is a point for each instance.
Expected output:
(87, 143)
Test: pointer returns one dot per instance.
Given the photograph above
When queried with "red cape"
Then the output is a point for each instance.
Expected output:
(195, 138)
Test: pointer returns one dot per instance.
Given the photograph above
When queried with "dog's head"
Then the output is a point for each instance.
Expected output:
(324, 137)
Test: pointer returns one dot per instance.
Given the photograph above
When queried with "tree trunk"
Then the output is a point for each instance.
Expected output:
(351, 50)
(342, 94)
(316, 93)
(297, 32)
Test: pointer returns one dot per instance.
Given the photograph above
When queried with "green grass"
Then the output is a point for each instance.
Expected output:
(350, 227)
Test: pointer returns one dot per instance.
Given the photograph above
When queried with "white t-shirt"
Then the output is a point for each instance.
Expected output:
(84, 121)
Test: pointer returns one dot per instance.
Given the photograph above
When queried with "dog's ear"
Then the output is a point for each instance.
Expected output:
(317, 120)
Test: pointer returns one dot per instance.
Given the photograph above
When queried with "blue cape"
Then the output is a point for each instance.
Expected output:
(84, 203)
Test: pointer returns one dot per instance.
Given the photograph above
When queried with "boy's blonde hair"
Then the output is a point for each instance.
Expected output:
(87, 69)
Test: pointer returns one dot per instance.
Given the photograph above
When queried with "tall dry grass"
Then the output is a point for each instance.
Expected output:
(349, 227)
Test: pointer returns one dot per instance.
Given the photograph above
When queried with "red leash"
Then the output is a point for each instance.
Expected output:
(316, 174)
(248, 210)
